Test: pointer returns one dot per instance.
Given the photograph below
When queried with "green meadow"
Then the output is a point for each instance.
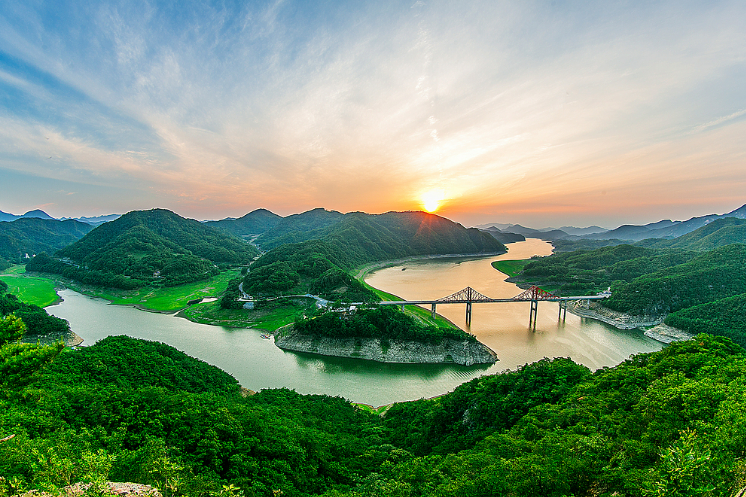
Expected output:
(29, 289)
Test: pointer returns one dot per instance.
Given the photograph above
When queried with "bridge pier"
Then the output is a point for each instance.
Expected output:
(468, 313)
(532, 313)
(562, 310)
(433, 310)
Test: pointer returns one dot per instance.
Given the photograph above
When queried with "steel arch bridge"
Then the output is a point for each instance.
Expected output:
(470, 296)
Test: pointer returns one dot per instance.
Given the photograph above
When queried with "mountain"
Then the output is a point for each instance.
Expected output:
(533, 233)
(4, 216)
(572, 230)
(718, 233)
(96, 220)
(301, 227)
(156, 246)
(253, 223)
(39, 214)
(504, 236)
(665, 228)
(336, 243)
(30, 235)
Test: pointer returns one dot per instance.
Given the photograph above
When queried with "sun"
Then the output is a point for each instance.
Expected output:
(432, 200)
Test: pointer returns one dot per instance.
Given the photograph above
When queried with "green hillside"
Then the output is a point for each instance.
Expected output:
(141, 247)
(321, 265)
(667, 423)
(33, 236)
(726, 317)
(584, 272)
(297, 228)
(711, 276)
(253, 223)
(718, 233)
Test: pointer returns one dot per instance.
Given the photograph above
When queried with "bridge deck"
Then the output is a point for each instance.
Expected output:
(487, 301)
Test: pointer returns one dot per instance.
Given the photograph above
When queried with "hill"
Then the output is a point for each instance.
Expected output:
(712, 276)
(155, 246)
(718, 233)
(341, 242)
(301, 227)
(34, 235)
(653, 425)
(253, 223)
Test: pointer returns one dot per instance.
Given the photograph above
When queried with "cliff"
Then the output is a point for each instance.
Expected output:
(398, 351)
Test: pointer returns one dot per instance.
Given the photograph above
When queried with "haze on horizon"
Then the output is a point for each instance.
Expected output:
(526, 112)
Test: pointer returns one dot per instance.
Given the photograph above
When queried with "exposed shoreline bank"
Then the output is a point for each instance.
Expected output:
(465, 353)
(652, 326)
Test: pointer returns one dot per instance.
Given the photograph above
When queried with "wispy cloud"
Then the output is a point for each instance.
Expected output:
(289, 105)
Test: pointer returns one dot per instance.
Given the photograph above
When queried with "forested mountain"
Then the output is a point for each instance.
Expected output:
(296, 228)
(718, 233)
(155, 246)
(34, 235)
(666, 423)
(319, 265)
(714, 275)
(665, 228)
(253, 223)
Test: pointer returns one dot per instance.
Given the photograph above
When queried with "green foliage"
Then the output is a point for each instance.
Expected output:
(585, 272)
(324, 243)
(36, 320)
(155, 246)
(718, 233)
(711, 276)
(725, 317)
(667, 423)
(253, 223)
(384, 322)
(124, 362)
(32, 236)
(19, 361)
(482, 406)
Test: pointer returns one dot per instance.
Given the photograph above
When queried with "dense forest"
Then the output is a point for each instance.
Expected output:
(666, 423)
(33, 236)
(38, 323)
(321, 265)
(253, 223)
(147, 247)
(697, 281)
(384, 322)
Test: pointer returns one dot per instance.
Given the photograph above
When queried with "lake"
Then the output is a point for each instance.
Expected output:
(256, 363)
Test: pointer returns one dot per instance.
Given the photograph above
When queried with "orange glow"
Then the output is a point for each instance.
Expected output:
(431, 200)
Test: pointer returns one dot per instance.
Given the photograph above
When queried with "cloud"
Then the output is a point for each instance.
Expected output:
(363, 106)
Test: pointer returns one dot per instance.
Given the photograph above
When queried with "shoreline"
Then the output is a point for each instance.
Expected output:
(651, 326)
(367, 268)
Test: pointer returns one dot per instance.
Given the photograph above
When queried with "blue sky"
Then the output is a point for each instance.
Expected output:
(542, 113)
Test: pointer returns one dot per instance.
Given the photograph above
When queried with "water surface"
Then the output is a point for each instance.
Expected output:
(257, 363)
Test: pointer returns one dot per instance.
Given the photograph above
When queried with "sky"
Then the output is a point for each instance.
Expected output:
(540, 113)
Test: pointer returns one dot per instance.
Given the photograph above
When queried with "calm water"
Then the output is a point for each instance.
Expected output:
(257, 363)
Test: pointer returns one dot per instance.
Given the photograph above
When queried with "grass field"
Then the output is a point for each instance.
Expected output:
(511, 268)
(270, 317)
(165, 299)
(29, 289)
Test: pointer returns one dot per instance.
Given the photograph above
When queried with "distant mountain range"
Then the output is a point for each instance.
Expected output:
(665, 229)
(40, 214)
(27, 236)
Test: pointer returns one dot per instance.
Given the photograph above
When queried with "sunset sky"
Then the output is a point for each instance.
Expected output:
(539, 113)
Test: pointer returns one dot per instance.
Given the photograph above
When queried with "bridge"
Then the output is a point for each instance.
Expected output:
(470, 296)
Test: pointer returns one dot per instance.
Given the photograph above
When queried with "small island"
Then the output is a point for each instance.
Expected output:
(382, 334)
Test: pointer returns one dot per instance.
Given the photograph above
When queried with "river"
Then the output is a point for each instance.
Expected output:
(256, 363)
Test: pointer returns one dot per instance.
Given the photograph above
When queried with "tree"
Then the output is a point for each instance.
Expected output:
(19, 361)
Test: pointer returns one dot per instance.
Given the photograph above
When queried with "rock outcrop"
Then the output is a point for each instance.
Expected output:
(395, 351)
